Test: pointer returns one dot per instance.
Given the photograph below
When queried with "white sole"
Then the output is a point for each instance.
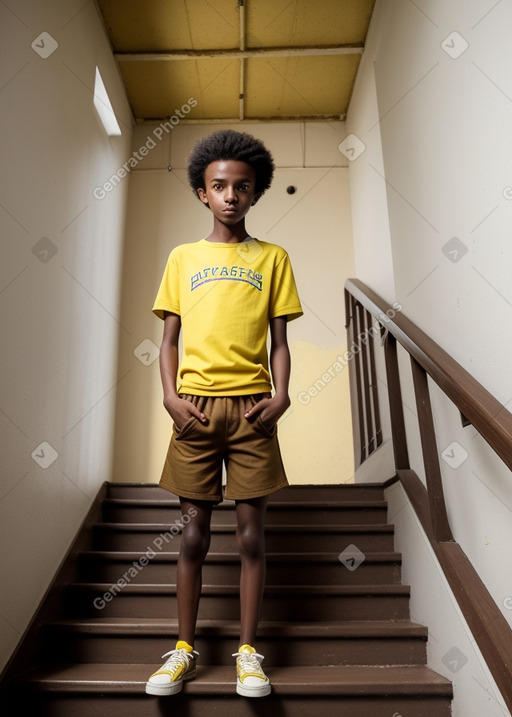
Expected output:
(167, 690)
(262, 691)
(164, 690)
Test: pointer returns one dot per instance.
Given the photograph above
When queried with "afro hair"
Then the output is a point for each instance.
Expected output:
(230, 145)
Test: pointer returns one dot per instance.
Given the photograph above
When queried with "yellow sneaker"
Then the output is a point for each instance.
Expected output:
(180, 666)
(251, 680)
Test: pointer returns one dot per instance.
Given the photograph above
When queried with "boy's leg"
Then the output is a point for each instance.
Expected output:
(251, 680)
(195, 542)
(251, 544)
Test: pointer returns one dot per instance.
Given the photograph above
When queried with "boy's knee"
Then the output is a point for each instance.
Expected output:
(195, 542)
(250, 542)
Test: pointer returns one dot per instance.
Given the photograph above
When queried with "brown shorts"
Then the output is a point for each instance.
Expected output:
(248, 448)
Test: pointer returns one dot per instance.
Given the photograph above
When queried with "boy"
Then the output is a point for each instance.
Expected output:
(223, 293)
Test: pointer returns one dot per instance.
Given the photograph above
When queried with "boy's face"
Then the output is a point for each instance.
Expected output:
(229, 190)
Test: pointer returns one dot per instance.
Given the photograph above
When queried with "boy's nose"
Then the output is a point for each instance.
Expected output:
(230, 195)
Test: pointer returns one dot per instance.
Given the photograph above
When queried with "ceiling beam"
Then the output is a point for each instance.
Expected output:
(240, 54)
(247, 120)
(241, 91)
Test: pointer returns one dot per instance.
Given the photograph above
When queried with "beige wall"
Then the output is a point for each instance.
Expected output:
(59, 290)
(432, 107)
(313, 225)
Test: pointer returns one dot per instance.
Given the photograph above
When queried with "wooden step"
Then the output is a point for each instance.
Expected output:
(117, 510)
(335, 627)
(342, 491)
(224, 568)
(135, 640)
(118, 690)
(286, 603)
(278, 538)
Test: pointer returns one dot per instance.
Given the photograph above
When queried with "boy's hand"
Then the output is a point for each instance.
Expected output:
(180, 411)
(269, 409)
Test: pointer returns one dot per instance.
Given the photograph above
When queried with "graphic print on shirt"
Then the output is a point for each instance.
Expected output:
(226, 273)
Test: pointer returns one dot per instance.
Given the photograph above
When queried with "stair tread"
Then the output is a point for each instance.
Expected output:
(293, 486)
(376, 557)
(295, 590)
(334, 680)
(302, 528)
(231, 628)
(230, 505)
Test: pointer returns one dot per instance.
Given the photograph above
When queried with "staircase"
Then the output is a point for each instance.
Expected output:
(335, 627)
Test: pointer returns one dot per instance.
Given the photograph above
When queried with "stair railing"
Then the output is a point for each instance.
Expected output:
(364, 311)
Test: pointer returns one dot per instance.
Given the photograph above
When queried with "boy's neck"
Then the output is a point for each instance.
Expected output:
(227, 235)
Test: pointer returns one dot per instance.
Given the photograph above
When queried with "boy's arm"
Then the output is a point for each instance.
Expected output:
(271, 409)
(180, 410)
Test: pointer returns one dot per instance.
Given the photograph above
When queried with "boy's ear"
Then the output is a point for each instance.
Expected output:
(201, 193)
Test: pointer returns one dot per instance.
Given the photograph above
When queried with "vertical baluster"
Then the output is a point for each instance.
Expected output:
(362, 357)
(439, 517)
(373, 381)
(395, 404)
(355, 376)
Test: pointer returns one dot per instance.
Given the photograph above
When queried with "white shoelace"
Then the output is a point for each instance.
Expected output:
(177, 658)
(251, 661)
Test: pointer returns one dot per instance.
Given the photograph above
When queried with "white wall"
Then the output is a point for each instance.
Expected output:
(451, 648)
(59, 289)
(438, 241)
(313, 225)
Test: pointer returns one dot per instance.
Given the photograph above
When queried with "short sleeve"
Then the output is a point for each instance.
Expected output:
(168, 296)
(284, 298)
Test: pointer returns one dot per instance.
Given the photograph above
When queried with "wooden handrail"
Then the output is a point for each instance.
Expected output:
(486, 621)
(490, 418)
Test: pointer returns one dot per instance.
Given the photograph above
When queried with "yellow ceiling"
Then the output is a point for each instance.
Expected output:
(244, 60)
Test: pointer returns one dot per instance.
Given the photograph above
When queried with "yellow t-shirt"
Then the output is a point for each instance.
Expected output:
(225, 295)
